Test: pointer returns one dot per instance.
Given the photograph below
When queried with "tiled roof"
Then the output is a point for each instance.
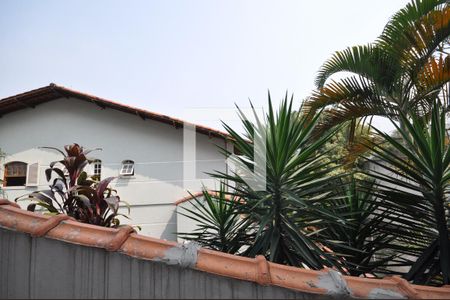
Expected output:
(189, 197)
(128, 242)
(52, 92)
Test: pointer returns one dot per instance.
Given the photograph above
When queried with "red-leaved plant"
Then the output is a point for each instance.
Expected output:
(73, 193)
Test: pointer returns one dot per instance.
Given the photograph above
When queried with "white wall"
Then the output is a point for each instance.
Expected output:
(156, 148)
(186, 224)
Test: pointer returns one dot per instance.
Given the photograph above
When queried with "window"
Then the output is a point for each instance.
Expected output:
(15, 174)
(97, 169)
(127, 168)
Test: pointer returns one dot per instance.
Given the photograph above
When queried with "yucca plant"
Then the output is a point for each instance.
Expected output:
(219, 225)
(414, 183)
(362, 241)
(73, 193)
(286, 215)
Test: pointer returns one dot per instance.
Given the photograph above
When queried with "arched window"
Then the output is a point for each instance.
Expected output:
(15, 174)
(127, 168)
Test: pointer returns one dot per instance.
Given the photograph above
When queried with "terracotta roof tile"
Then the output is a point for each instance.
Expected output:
(191, 196)
(126, 241)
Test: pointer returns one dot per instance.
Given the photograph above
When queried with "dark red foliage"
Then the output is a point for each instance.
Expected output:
(73, 193)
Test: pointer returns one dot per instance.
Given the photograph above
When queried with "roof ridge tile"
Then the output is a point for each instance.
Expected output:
(48, 225)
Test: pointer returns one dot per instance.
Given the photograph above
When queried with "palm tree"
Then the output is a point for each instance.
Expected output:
(403, 71)
(401, 76)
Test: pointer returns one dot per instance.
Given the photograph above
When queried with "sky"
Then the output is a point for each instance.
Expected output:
(189, 59)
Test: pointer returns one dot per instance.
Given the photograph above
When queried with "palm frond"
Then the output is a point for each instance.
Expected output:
(369, 61)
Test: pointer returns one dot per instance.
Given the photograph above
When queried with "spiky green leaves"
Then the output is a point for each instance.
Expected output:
(414, 183)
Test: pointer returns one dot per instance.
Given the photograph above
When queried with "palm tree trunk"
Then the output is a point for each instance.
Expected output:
(351, 132)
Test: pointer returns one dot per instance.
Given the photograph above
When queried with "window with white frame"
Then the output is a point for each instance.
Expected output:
(97, 169)
(127, 168)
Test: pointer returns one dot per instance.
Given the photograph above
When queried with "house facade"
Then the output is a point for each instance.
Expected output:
(143, 150)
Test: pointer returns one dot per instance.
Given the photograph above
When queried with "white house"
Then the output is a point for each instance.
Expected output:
(144, 150)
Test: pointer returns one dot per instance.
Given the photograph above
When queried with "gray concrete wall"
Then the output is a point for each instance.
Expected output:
(46, 268)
